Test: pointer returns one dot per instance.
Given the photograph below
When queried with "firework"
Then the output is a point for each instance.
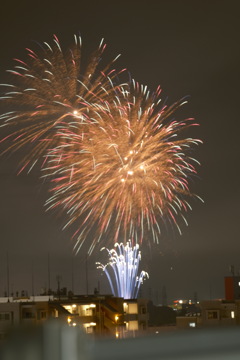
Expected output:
(50, 88)
(123, 267)
(118, 166)
(126, 172)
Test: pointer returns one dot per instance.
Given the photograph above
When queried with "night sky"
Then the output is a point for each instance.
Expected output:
(189, 48)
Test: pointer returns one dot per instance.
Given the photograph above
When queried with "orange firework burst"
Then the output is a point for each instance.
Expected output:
(49, 88)
(125, 172)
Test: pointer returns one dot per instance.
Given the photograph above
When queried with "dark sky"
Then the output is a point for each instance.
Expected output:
(189, 48)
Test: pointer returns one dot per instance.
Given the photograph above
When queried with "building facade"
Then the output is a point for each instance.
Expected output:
(99, 315)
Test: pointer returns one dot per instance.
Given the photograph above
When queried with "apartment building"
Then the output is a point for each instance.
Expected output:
(99, 315)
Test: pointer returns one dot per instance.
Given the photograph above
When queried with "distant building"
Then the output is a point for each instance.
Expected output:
(223, 312)
(220, 312)
(188, 314)
(232, 287)
(214, 313)
(186, 308)
(188, 322)
(161, 315)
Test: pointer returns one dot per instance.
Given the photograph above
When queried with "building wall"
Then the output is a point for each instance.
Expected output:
(99, 315)
(188, 322)
(232, 287)
(9, 317)
(218, 313)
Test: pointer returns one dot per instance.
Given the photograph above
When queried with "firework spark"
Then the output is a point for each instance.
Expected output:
(124, 269)
(126, 172)
(50, 87)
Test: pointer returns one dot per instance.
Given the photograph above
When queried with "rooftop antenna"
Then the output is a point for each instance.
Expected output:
(164, 295)
(72, 274)
(49, 284)
(59, 279)
(98, 286)
(33, 280)
(232, 270)
(87, 274)
(7, 277)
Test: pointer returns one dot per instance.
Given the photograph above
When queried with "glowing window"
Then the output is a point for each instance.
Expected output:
(133, 325)
(132, 308)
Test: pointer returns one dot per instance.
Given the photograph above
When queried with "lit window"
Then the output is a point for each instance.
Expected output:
(89, 327)
(132, 308)
(133, 325)
(192, 324)
(232, 314)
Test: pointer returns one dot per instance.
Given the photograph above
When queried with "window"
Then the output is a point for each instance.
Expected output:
(143, 325)
(43, 314)
(132, 308)
(133, 325)
(89, 330)
(4, 316)
(192, 324)
(28, 315)
(88, 312)
(143, 310)
(90, 327)
(212, 314)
